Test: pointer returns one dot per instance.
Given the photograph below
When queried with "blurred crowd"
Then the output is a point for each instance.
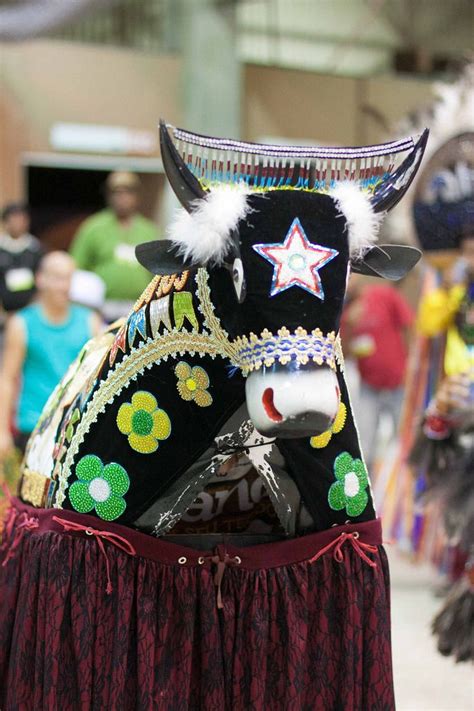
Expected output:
(52, 303)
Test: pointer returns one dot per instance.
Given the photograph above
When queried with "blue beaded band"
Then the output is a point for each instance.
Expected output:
(302, 347)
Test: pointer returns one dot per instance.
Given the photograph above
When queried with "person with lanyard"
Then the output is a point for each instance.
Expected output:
(20, 254)
(105, 244)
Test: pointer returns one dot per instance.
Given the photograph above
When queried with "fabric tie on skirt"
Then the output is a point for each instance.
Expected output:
(100, 537)
(358, 546)
(222, 560)
(20, 521)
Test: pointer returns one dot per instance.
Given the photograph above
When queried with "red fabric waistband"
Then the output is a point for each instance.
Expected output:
(267, 555)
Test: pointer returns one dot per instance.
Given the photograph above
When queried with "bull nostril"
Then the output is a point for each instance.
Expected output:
(269, 406)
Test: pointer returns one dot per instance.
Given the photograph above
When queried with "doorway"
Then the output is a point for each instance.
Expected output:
(61, 198)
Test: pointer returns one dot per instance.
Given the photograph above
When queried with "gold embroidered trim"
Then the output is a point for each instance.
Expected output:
(147, 294)
(180, 281)
(175, 281)
(206, 307)
(165, 285)
(161, 286)
(34, 487)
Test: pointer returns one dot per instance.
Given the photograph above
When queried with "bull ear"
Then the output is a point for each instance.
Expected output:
(389, 261)
(159, 257)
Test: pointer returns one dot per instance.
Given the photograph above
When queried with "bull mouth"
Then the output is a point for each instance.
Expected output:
(269, 406)
(305, 425)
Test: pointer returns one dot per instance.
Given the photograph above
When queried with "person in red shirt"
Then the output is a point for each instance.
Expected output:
(375, 328)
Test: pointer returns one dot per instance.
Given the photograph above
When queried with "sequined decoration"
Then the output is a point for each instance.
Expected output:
(254, 351)
(120, 343)
(296, 262)
(213, 341)
(183, 309)
(180, 281)
(322, 440)
(143, 422)
(165, 286)
(160, 314)
(100, 487)
(349, 491)
(72, 422)
(193, 383)
(136, 322)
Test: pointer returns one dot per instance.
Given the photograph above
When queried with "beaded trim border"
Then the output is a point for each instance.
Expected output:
(264, 167)
(283, 347)
(229, 144)
(34, 487)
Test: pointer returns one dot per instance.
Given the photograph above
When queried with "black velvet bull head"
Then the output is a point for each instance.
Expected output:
(278, 266)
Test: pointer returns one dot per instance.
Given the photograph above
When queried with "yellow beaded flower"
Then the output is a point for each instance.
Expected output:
(193, 383)
(144, 422)
(322, 440)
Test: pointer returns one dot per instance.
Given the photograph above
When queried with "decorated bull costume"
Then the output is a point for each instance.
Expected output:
(111, 596)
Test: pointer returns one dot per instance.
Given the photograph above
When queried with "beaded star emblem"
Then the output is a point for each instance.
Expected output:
(296, 262)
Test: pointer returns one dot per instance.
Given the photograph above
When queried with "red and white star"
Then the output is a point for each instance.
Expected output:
(296, 262)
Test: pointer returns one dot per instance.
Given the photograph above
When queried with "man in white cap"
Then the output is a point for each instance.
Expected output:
(105, 244)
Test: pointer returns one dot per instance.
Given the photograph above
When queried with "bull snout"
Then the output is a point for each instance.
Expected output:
(290, 403)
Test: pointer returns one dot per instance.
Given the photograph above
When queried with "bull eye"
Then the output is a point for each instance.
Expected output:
(238, 277)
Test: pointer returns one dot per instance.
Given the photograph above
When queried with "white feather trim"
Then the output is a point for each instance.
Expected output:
(363, 223)
(204, 235)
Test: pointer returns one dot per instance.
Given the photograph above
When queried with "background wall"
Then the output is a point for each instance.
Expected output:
(45, 82)
(327, 109)
(48, 81)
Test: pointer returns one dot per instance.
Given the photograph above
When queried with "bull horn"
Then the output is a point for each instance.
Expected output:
(186, 187)
(391, 191)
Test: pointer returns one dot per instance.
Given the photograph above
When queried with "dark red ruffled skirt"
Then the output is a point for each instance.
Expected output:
(109, 618)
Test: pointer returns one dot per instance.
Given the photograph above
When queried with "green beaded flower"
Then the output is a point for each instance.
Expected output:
(349, 491)
(100, 487)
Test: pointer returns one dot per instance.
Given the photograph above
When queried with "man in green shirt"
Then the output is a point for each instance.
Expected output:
(105, 244)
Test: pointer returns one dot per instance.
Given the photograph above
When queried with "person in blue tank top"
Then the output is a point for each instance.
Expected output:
(41, 341)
